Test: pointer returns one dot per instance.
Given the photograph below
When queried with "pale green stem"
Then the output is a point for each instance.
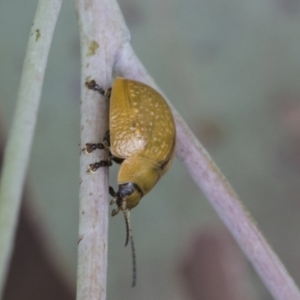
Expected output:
(220, 194)
(17, 150)
(102, 33)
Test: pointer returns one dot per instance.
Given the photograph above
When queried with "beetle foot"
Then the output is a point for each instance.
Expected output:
(92, 85)
(115, 212)
(89, 147)
(103, 163)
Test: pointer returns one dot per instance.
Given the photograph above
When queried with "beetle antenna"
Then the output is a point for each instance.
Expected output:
(129, 235)
(128, 229)
(133, 262)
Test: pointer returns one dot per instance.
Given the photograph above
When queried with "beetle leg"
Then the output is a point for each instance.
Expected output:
(92, 85)
(117, 160)
(115, 211)
(114, 195)
(106, 138)
(91, 147)
(113, 201)
(112, 191)
(103, 163)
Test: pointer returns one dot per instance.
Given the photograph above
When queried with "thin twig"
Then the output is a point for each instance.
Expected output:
(220, 194)
(101, 34)
(19, 143)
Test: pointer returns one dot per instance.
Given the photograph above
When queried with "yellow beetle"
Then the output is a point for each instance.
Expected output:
(141, 137)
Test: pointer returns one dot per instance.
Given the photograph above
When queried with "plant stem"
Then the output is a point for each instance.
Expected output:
(102, 33)
(17, 150)
(220, 194)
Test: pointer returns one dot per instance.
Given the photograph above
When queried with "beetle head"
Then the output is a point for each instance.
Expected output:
(127, 197)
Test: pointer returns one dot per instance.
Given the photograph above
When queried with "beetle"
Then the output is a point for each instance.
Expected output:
(141, 138)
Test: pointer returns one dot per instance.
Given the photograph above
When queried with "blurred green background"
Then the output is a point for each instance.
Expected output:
(232, 69)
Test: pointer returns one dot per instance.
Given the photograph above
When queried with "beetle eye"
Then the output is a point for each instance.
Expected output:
(125, 190)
